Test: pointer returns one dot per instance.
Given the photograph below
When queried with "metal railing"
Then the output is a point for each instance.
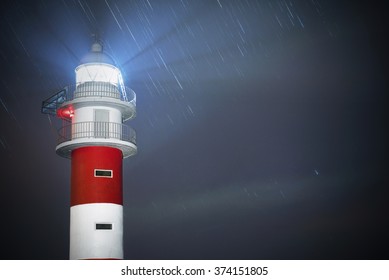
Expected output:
(100, 89)
(96, 130)
(87, 89)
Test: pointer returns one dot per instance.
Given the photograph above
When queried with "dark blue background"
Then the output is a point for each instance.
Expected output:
(261, 126)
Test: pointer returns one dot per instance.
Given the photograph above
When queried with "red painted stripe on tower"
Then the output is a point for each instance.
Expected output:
(85, 186)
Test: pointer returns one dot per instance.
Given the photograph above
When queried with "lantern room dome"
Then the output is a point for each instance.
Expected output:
(96, 55)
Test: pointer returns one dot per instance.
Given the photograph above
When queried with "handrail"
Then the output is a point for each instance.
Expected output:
(87, 89)
(97, 130)
(100, 89)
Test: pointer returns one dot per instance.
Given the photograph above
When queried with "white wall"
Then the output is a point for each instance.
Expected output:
(85, 241)
(86, 114)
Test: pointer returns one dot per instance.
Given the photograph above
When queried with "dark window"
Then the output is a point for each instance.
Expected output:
(103, 173)
(104, 226)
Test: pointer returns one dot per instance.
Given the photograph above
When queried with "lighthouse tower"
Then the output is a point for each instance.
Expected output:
(95, 139)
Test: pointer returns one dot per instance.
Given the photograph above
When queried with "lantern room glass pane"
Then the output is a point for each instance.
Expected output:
(97, 72)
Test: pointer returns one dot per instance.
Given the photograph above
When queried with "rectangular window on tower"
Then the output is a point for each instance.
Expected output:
(103, 226)
(103, 173)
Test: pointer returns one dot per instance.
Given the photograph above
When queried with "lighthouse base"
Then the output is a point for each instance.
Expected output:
(96, 231)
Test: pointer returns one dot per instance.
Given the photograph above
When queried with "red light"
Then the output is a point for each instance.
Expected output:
(66, 113)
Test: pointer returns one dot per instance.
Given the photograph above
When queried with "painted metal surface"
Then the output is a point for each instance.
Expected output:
(87, 242)
(96, 140)
(85, 187)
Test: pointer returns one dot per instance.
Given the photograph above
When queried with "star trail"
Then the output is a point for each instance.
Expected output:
(260, 126)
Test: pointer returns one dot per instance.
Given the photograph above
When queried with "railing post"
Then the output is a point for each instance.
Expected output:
(93, 129)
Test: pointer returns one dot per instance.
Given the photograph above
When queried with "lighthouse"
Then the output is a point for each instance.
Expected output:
(95, 139)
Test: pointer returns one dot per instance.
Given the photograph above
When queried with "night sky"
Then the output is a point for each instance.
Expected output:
(261, 126)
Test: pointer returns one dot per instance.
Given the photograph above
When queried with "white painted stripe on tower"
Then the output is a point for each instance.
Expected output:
(90, 233)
